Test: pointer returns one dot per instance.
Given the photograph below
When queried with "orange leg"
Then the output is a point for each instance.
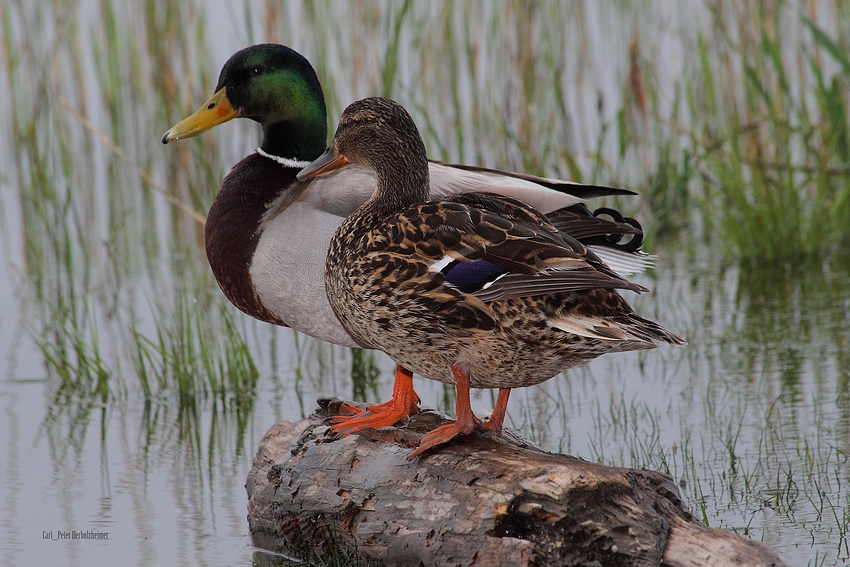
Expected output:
(404, 403)
(465, 422)
(494, 424)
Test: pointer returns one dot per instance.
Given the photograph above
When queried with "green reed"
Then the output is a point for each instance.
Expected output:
(774, 147)
(790, 468)
(82, 92)
(728, 485)
(364, 374)
(749, 142)
(335, 555)
(195, 353)
(748, 147)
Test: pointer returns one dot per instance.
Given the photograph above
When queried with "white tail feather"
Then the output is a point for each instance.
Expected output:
(624, 263)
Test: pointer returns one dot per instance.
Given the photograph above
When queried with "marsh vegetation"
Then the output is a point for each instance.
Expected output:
(134, 394)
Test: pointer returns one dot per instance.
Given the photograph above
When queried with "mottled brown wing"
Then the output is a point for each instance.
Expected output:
(522, 214)
(538, 259)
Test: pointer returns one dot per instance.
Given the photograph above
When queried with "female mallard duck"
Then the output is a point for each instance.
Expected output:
(479, 290)
(267, 234)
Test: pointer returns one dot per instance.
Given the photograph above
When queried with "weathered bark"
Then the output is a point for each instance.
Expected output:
(482, 501)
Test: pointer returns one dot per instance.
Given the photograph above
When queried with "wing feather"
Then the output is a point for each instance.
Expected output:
(534, 256)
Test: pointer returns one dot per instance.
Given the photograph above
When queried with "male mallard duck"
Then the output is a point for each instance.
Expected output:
(267, 234)
(479, 290)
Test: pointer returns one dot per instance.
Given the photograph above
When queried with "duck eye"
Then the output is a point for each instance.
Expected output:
(257, 70)
(350, 121)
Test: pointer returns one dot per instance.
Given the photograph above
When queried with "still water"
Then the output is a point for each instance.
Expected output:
(751, 419)
(133, 395)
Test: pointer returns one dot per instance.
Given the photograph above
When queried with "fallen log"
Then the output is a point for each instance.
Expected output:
(483, 501)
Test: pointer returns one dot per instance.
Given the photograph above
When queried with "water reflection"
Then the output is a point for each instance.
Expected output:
(135, 399)
(773, 403)
(751, 419)
(13, 487)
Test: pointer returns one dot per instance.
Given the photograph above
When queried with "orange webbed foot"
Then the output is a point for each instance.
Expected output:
(441, 435)
(464, 424)
(404, 403)
(346, 411)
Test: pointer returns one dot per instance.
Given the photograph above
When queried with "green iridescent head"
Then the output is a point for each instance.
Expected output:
(275, 86)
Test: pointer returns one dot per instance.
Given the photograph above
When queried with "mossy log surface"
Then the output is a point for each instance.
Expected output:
(480, 501)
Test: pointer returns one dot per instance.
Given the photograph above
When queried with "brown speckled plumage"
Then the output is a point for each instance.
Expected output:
(381, 283)
(267, 236)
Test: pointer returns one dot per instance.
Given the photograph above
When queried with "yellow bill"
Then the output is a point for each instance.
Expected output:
(216, 110)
